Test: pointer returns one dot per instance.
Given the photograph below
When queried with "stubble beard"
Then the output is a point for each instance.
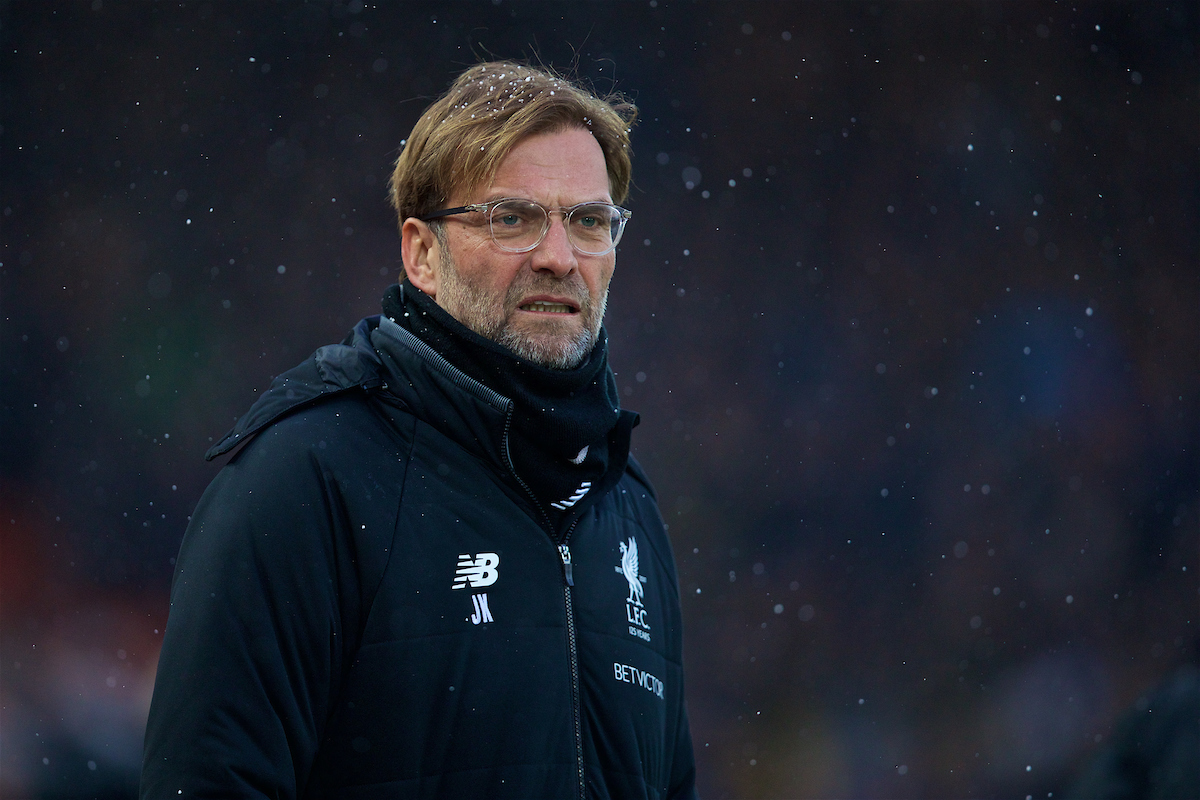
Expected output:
(548, 347)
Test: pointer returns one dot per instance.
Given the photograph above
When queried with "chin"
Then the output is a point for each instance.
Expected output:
(553, 350)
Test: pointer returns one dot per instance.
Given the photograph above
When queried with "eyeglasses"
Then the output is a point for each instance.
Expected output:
(518, 225)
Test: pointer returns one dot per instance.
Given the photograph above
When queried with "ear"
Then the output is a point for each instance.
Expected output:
(420, 252)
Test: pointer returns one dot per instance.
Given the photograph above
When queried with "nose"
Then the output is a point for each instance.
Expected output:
(555, 254)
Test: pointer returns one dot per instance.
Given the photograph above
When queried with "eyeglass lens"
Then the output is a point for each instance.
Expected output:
(519, 225)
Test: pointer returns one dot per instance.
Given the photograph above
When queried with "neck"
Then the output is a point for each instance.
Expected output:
(563, 420)
(584, 398)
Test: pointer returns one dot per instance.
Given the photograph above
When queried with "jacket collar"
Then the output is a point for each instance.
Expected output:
(476, 416)
(441, 395)
(379, 356)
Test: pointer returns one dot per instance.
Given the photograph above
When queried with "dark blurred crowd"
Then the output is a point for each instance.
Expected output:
(908, 306)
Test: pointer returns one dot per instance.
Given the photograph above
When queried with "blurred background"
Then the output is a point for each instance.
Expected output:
(908, 306)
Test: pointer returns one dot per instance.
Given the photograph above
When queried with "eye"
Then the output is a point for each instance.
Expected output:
(516, 214)
(591, 217)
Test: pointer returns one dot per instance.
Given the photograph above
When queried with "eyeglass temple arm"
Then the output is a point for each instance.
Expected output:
(446, 212)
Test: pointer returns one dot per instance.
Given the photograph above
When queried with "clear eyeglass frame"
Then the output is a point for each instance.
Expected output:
(521, 207)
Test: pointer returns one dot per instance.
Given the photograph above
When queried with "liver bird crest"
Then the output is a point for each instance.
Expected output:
(629, 568)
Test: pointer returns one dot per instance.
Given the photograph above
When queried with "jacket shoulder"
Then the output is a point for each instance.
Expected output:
(331, 370)
(635, 498)
(635, 471)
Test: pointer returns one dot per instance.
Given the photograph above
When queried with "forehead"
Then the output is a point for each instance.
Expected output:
(560, 167)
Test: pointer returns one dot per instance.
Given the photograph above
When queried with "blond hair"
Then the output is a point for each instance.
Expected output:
(460, 140)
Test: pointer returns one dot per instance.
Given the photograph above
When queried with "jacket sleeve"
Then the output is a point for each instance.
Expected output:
(251, 656)
(683, 765)
(682, 784)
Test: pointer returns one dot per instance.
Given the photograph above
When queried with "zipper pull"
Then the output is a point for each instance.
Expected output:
(565, 553)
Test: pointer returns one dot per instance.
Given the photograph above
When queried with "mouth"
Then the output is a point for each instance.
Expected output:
(548, 307)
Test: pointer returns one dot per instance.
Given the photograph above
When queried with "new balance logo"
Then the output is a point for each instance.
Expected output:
(563, 505)
(478, 570)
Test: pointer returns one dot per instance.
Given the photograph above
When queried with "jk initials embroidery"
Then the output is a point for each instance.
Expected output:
(482, 612)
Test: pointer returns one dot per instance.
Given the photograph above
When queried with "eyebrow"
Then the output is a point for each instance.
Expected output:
(501, 196)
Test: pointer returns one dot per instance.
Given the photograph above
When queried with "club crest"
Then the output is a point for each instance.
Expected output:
(635, 611)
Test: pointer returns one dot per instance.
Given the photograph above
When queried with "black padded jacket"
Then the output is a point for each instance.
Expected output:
(368, 603)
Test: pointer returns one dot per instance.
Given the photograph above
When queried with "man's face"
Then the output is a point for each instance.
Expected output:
(545, 305)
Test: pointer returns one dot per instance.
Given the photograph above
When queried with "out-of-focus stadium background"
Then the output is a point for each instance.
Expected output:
(908, 305)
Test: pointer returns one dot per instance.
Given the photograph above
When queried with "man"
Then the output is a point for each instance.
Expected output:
(433, 570)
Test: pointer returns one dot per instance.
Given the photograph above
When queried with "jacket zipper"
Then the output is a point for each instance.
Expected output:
(573, 649)
(564, 553)
(499, 401)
